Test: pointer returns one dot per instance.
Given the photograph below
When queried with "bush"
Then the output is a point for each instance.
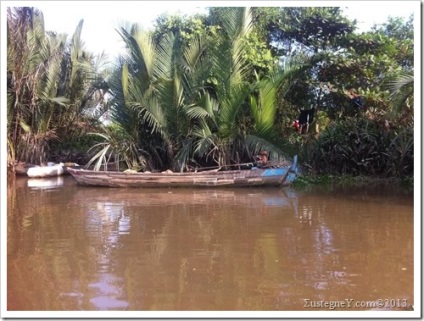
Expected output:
(359, 146)
(73, 150)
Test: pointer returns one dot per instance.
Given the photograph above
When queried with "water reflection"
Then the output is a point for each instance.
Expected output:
(45, 183)
(80, 248)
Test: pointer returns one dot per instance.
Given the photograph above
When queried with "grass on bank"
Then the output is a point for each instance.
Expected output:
(304, 181)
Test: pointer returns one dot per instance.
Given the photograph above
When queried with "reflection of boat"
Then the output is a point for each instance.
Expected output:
(269, 197)
(233, 178)
(42, 183)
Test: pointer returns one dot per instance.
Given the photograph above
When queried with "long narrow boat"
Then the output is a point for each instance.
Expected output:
(280, 176)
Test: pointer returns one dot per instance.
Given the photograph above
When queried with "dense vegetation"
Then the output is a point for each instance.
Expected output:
(215, 89)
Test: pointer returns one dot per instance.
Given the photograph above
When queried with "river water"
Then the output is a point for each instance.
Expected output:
(71, 247)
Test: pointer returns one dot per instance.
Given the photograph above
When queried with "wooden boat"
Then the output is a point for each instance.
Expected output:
(52, 170)
(35, 171)
(280, 176)
(21, 168)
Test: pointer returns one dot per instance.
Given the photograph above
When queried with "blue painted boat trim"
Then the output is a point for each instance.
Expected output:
(274, 172)
(291, 176)
(289, 173)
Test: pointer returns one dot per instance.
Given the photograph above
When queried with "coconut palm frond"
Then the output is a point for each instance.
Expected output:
(196, 112)
(399, 83)
(401, 92)
(184, 154)
(229, 65)
(229, 109)
(100, 157)
(205, 139)
(257, 144)
(141, 51)
(195, 67)
(166, 51)
(237, 22)
(150, 114)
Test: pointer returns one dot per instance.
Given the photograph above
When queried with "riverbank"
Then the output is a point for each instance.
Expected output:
(306, 180)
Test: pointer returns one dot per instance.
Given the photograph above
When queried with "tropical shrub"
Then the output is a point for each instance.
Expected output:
(360, 146)
(51, 86)
(184, 101)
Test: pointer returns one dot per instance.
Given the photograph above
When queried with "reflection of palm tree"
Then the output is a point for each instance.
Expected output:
(161, 242)
(206, 215)
(115, 221)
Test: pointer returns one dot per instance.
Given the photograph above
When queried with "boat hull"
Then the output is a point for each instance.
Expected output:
(46, 171)
(252, 177)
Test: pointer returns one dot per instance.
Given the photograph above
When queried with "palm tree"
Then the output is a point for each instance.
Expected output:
(229, 130)
(50, 85)
(219, 132)
(154, 87)
(263, 102)
(24, 30)
(183, 102)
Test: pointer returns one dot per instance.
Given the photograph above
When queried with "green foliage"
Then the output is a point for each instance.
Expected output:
(336, 182)
(311, 29)
(258, 55)
(359, 146)
(216, 89)
(155, 88)
(256, 51)
(115, 145)
(51, 85)
(372, 60)
(188, 27)
(402, 97)
(189, 94)
(401, 34)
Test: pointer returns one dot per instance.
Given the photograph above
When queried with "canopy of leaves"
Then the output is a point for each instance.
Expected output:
(312, 29)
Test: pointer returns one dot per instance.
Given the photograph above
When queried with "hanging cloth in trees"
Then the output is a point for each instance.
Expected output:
(306, 117)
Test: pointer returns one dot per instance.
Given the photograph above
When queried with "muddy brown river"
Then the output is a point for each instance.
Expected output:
(76, 248)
